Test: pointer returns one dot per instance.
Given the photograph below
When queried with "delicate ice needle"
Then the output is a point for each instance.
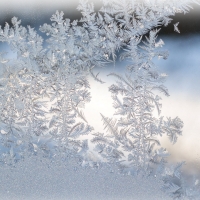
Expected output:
(176, 27)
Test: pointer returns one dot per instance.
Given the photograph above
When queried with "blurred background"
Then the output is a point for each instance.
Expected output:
(182, 67)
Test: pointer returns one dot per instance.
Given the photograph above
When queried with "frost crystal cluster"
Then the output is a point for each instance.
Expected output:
(44, 89)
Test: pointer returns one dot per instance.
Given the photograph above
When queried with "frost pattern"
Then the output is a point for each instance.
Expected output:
(135, 132)
(44, 90)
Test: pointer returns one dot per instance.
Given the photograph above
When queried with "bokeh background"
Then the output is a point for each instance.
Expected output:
(182, 67)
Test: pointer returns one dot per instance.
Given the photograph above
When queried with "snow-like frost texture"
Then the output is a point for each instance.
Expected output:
(42, 180)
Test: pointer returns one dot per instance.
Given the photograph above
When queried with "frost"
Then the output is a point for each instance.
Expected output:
(176, 27)
(43, 92)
